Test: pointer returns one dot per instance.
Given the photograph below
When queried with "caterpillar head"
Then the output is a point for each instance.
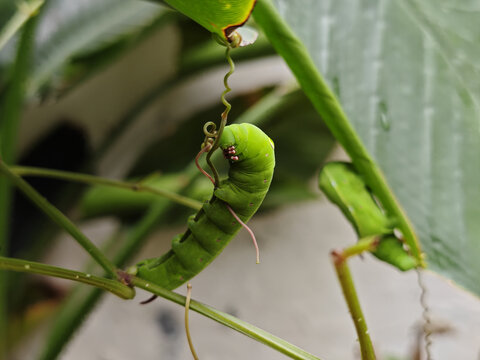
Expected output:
(248, 145)
(234, 141)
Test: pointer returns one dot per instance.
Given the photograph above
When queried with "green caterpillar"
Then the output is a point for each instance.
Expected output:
(346, 189)
(251, 155)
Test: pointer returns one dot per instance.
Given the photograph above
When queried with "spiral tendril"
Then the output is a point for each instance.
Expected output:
(227, 87)
(209, 129)
(223, 121)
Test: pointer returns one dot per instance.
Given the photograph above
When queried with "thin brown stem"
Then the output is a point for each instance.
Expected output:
(249, 231)
(187, 328)
(197, 158)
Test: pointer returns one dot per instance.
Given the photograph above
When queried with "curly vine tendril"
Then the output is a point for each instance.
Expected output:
(224, 118)
(209, 129)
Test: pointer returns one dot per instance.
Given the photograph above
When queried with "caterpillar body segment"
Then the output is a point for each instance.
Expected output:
(252, 160)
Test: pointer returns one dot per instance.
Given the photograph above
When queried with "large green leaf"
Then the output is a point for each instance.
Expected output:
(217, 16)
(406, 74)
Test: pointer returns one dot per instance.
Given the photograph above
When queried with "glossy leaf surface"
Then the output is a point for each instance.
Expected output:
(405, 74)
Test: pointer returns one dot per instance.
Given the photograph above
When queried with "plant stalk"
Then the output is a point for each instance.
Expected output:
(58, 217)
(295, 54)
(10, 112)
(91, 179)
(81, 301)
(113, 286)
(350, 294)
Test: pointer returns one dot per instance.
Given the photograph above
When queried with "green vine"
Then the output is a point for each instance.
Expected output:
(350, 294)
(224, 118)
(58, 217)
(10, 113)
(113, 286)
(91, 179)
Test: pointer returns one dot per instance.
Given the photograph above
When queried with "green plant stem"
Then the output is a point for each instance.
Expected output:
(11, 108)
(113, 286)
(25, 10)
(58, 217)
(230, 321)
(298, 59)
(91, 179)
(368, 243)
(81, 301)
(350, 294)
